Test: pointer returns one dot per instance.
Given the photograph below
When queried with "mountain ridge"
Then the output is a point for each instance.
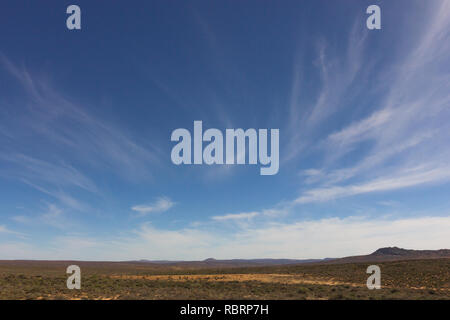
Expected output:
(379, 255)
(384, 254)
(395, 254)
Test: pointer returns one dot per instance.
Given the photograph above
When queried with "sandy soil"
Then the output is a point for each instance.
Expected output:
(269, 278)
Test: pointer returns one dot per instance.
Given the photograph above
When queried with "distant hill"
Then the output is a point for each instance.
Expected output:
(215, 263)
(395, 253)
(380, 255)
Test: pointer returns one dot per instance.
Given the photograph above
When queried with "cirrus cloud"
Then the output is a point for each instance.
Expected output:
(162, 204)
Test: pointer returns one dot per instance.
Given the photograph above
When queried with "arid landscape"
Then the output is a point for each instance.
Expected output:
(179, 155)
(405, 274)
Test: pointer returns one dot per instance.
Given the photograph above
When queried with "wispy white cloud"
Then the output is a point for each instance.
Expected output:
(54, 216)
(5, 230)
(269, 213)
(408, 178)
(404, 137)
(62, 196)
(359, 130)
(300, 239)
(22, 219)
(51, 215)
(236, 216)
(38, 171)
(162, 204)
(55, 121)
(337, 79)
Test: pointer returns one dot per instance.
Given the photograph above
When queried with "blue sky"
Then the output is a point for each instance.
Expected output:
(86, 118)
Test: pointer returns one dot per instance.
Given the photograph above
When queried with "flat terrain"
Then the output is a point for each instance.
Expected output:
(409, 279)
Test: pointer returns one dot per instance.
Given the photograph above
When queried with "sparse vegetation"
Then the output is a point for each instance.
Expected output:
(413, 279)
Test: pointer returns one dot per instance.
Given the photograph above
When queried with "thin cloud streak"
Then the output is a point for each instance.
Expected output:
(162, 204)
(409, 178)
(236, 216)
(40, 171)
